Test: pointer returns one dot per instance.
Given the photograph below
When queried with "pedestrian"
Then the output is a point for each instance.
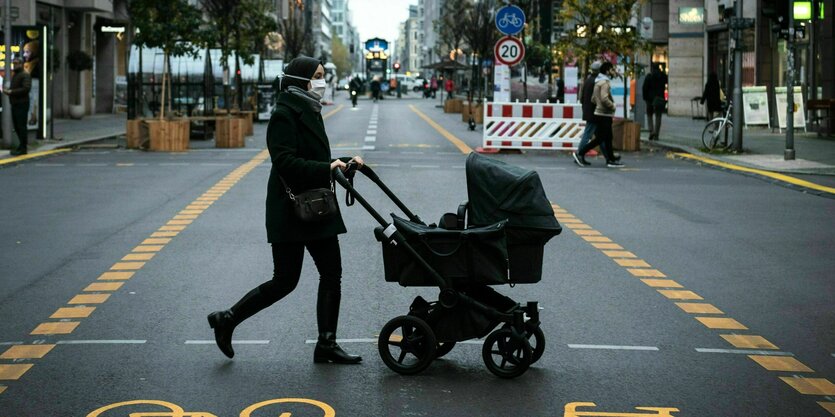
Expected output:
(434, 85)
(425, 87)
(588, 114)
(449, 86)
(301, 160)
(18, 92)
(712, 95)
(654, 86)
(604, 110)
(375, 88)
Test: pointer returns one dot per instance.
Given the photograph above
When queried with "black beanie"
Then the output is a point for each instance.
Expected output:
(302, 67)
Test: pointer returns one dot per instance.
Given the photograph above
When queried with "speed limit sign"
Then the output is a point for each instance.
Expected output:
(509, 51)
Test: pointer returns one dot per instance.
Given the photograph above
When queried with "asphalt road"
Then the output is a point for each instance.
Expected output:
(673, 285)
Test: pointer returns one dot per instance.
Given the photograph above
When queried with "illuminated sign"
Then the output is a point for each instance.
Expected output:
(376, 45)
(691, 15)
(112, 29)
(802, 10)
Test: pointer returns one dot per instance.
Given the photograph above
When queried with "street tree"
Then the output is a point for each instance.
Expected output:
(340, 57)
(294, 29)
(174, 26)
(480, 34)
(450, 29)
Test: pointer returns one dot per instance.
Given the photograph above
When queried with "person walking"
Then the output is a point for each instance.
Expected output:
(434, 85)
(18, 92)
(604, 110)
(375, 88)
(449, 86)
(301, 160)
(712, 95)
(588, 114)
(653, 91)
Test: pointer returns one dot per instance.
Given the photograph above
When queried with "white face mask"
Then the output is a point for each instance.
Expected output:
(318, 87)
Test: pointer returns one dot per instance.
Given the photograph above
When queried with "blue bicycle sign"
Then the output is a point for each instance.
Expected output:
(510, 20)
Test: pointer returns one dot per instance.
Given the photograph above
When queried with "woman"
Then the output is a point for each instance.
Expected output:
(604, 110)
(300, 155)
(712, 94)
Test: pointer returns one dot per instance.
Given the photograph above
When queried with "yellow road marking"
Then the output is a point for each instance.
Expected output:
(596, 239)
(614, 246)
(127, 266)
(64, 327)
(749, 341)
(14, 372)
(32, 155)
(699, 308)
(165, 234)
(828, 406)
(619, 254)
(103, 286)
(191, 211)
(72, 313)
(2, 388)
(661, 283)
(449, 136)
(183, 217)
(637, 263)
(115, 275)
(680, 295)
(89, 299)
(156, 241)
(810, 386)
(27, 352)
(646, 272)
(586, 232)
(575, 226)
(575, 220)
(138, 256)
(332, 112)
(780, 363)
(721, 323)
(170, 228)
(179, 222)
(148, 248)
(774, 175)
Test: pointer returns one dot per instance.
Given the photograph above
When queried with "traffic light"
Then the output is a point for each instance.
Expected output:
(396, 67)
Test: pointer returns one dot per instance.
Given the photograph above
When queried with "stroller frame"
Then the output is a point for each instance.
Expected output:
(507, 352)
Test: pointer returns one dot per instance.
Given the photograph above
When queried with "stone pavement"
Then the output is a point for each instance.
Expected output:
(69, 132)
(763, 149)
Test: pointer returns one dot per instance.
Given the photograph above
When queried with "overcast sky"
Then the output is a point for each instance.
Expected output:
(379, 18)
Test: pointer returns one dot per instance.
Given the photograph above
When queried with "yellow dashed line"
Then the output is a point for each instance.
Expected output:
(191, 211)
(828, 406)
(64, 327)
(699, 308)
(749, 341)
(115, 276)
(680, 295)
(32, 155)
(619, 254)
(138, 256)
(182, 217)
(27, 352)
(596, 239)
(571, 221)
(780, 363)
(156, 241)
(89, 299)
(180, 222)
(721, 323)
(646, 273)
(127, 266)
(72, 313)
(586, 232)
(14, 372)
(576, 226)
(634, 263)
(614, 246)
(449, 136)
(170, 228)
(148, 248)
(2, 388)
(103, 286)
(661, 283)
(810, 386)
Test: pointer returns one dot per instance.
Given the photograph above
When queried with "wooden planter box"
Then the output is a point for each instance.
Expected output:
(477, 112)
(453, 105)
(229, 132)
(246, 123)
(626, 135)
(168, 135)
(137, 134)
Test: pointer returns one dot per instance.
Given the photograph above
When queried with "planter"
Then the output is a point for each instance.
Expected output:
(466, 109)
(453, 105)
(229, 132)
(477, 111)
(246, 123)
(168, 135)
(76, 111)
(137, 134)
(626, 135)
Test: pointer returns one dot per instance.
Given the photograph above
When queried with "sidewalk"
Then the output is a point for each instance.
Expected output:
(762, 149)
(70, 132)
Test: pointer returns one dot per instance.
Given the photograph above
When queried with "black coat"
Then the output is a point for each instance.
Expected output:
(300, 153)
(585, 97)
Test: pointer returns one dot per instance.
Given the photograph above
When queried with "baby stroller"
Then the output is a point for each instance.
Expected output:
(495, 238)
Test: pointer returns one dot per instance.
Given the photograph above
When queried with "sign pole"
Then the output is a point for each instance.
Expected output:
(737, 92)
(7, 80)
(788, 153)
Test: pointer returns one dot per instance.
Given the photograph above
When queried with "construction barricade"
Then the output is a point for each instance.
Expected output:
(532, 126)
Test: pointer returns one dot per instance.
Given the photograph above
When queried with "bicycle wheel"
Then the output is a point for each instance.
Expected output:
(716, 135)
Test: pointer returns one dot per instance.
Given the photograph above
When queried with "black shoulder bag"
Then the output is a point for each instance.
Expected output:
(313, 205)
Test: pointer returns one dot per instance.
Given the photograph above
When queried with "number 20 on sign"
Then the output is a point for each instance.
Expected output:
(509, 51)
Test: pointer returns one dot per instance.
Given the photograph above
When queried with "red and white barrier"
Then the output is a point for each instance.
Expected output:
(532, 126)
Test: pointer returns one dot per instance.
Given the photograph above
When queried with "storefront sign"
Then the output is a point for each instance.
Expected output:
(802, 10)
(782, 100)
(691, 15)
(755, 105)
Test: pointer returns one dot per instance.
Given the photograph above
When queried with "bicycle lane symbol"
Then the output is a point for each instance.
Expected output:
(510, 20)
(173, 410)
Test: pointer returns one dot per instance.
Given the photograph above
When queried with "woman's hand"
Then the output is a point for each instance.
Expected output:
(358, 160)
(338, 164)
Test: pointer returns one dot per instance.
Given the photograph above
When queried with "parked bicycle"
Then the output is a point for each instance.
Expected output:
(718, 133)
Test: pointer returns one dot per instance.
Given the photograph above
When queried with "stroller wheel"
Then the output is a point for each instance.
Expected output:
(506, 354)
(443, 348)
(407, 345)
(536, 338)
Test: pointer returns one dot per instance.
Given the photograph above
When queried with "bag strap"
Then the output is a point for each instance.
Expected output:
(287, 188)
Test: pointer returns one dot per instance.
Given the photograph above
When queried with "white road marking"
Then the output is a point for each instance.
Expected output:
(426, 166)
(101, 342)
(384, 165)
(412, 152)
(216, 164)
(10, 343)
(93, 165)
(234, 342)
(370, 138)
(172, 164)
(744, 352)
(613, 347)
(49, 165)
(371, 132)
(368, 148)
(312, 341)
(551, 168)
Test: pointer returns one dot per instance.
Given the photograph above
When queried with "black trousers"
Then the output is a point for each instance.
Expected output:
(20, 111)
(602, 137)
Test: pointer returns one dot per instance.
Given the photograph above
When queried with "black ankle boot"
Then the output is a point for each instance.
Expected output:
(327, 350)
(224, 324)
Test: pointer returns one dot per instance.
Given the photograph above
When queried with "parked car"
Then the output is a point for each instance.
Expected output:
(409, 82)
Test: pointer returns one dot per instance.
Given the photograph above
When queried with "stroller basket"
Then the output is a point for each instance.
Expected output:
(464, 257)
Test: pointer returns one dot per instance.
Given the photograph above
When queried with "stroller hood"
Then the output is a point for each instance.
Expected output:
(499, 191)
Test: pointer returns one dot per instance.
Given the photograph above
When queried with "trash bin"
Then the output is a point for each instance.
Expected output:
(697, 109)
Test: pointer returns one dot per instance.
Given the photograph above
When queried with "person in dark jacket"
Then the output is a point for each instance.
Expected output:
(18, 93)
(604, 110)
(653, 91)
(375, 89)
(588, 113)
(712, 95)
(301, 158)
